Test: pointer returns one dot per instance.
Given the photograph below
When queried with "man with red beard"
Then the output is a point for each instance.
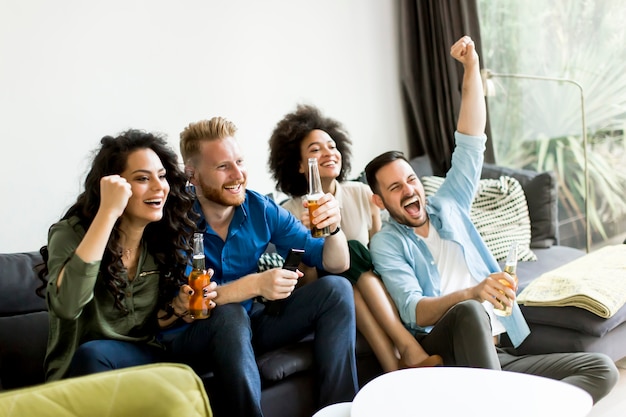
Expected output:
(238, 225)
(440, 273)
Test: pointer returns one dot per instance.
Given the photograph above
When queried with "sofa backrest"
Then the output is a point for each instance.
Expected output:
(23, 321)
(540, 188)
(422, 166)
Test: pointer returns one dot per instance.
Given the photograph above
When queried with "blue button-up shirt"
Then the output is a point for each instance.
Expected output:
(256, 223)
(404, 261)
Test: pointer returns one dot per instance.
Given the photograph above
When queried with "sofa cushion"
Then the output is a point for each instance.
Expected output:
(18, 282)
(280, 363)
(23, 349)
(23, 321)
(548, 339)
(574, 318)
(269, 260)
(298, 357)
(158, 390)
(542, 198)
(500, 214)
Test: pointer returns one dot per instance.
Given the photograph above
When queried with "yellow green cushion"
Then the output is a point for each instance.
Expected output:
(158, 390)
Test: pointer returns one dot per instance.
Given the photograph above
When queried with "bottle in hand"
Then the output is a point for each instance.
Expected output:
(510, 267)
(315, 193)
(199, 278)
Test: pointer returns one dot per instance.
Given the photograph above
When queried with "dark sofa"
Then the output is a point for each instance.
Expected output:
(288, 385)
(553, 329)
(288, 382)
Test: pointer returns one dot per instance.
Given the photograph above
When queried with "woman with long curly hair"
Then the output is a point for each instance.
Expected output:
(304, 134)
(114, 267)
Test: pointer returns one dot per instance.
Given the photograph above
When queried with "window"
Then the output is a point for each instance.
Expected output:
(537, 124)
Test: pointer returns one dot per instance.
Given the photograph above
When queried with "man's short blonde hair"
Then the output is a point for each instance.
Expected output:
(204, 130)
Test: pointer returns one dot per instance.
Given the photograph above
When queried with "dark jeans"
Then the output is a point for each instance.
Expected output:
(104, 355)
(227, 342)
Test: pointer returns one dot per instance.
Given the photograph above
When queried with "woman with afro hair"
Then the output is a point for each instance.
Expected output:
(305, 134)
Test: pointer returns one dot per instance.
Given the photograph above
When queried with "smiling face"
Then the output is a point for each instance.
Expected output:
(146, 176)
(318, 144)
(220, 174)
(402, 194)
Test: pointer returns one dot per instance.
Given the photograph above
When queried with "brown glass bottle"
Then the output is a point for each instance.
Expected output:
(510, 267)
(199, 278)
(315, 193)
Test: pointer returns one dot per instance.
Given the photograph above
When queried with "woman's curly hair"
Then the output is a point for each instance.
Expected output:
(168, 240)
(284, 159)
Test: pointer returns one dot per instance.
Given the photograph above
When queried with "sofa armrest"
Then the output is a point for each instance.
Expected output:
(541, 192)
(157, 390)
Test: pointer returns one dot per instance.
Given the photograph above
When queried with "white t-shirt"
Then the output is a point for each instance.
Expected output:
(454, 273)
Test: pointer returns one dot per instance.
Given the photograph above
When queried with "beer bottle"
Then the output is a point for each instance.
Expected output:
(198, 279)
(510, 267)
(315, 193)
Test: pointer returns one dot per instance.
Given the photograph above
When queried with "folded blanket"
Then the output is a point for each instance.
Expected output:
(595, 282)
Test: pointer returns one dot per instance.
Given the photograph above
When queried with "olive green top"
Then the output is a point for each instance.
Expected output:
(83, 309)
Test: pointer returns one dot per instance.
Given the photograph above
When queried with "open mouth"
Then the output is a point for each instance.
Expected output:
(412, 205)
(233, 188)
(329, 164)
(156, 202)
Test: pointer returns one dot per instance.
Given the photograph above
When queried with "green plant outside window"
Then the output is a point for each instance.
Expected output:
(537, 124)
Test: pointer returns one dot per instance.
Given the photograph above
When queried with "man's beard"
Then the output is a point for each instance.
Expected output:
(402, 218)
(216, 195)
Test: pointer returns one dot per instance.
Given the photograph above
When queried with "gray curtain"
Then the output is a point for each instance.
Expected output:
(431, 78)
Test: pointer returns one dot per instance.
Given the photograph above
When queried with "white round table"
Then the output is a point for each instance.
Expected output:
(468, 392)
(335, 410)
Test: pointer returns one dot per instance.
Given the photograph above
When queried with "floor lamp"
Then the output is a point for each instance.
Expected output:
(489, 89)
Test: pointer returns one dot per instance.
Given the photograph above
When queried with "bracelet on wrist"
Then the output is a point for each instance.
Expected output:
(334, 232)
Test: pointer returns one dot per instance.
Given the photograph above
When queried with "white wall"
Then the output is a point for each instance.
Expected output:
(72, 71)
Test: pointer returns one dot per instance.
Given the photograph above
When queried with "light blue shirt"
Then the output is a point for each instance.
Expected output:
(404, 261)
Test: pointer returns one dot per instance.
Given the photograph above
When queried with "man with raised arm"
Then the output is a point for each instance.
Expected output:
(440, 273)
